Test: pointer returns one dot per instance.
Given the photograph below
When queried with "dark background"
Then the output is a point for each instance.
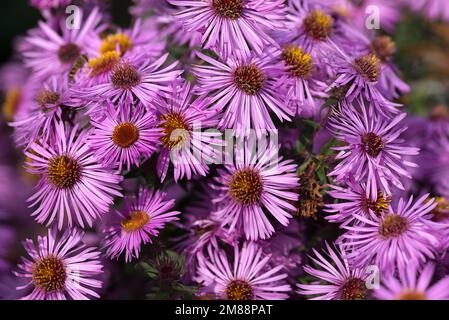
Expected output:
(17, 16)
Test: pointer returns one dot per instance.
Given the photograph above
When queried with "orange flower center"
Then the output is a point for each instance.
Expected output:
(125, 135)
(379, 207)
(412, 295)
(47, 98)
(135, 221)
(176, 131)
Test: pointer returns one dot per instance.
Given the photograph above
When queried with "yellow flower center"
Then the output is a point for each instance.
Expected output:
(114, 41)
(379, 207)
(104, 63)
(300, 63)
(318, 25)
(176, 131)
(441, 211)
(368, 67)
(135, 221)
(49, 274)
(11, 104)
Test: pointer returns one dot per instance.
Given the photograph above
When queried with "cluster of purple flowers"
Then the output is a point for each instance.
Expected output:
(98, 103)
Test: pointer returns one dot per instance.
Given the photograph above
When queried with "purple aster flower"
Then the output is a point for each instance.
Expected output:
(141, 8)
(19, 89)
(142, 218)
(433, 9)
(43, 112)
(134, 76)
(438, 122)
(185, 141)
(373, 150)
(48, 53)
(173, 30)
(13, 75)
(252, 185)
(311, 26)
(73, 185)
(60, 268)
(305, 88)
(440, 215)
(126, 136)
(249, 279)
(358, 74)
(202, 233)
(435, 162)
(104, 54)
(384, 48)
(202, 226)
(7, 241)
(414, 284)
(96, 71)
(390, 85)
(231, 26)
(142, 36)
(338, 281)
(49, 4)
(354, 200)
(245, 90)
(403, 235)
(202, 229)
(284, 248)
(356, 12)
